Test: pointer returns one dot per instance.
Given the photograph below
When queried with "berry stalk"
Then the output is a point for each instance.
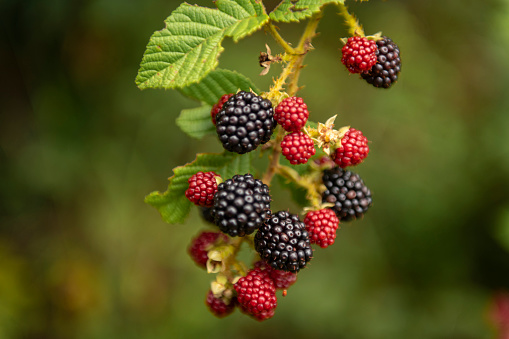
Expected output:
(291, 72)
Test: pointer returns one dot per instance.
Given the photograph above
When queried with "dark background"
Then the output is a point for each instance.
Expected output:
(81, 255)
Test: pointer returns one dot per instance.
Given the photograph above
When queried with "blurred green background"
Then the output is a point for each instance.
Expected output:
(81, 255)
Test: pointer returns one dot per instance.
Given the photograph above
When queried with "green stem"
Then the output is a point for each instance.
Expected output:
(354, 28)
(291, 71)
(279, 39)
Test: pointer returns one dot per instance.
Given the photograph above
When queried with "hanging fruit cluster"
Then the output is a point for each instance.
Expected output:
(231, 199)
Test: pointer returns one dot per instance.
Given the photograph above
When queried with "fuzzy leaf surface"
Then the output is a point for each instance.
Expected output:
(196, 122)
(173, 204)
(189, 46)
(216, 84)
(288, 11)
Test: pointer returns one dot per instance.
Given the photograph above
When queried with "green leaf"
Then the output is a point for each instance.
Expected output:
(188, 47)
(288, 11)
(196, 122)
(173, 204)
(216, 84)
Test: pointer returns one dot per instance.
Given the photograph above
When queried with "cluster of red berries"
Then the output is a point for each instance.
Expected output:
(254, 294)
(292, 114)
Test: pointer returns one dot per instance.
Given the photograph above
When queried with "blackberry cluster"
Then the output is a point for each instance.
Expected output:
(283, 242)
(244, 122)
(385, 72)
(241, 205)
(346, 190)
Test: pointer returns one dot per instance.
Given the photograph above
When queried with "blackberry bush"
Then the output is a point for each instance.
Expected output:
(250, 123)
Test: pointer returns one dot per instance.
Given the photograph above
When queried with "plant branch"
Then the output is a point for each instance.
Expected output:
(274, 157)
(279, 39)
(354, 28)
(291, 71)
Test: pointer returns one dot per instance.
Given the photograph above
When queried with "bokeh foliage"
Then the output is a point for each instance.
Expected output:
(82, 256)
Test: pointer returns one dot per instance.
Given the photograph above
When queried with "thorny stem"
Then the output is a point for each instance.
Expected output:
(231, 259)
(291, 72)
(279, 39)
(354, 28)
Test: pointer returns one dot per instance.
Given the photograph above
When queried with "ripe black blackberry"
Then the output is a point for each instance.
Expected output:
(283, 242)
(388, 64)
(241, 205)
(244, 122)
(346, 190)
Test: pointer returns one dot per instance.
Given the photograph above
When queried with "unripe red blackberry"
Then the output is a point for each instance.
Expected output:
(282, 279)
(346, 190)
(241, 205)
(264, 315)
(219, 306)
(283, 242)
(297, 147)
(353, 150)
(292, 114)
(217, 107)
(200, 246)
(359, 54)
(322, 226)
(386, 70)
(202, 187)
(256, 293)
(245, 121)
